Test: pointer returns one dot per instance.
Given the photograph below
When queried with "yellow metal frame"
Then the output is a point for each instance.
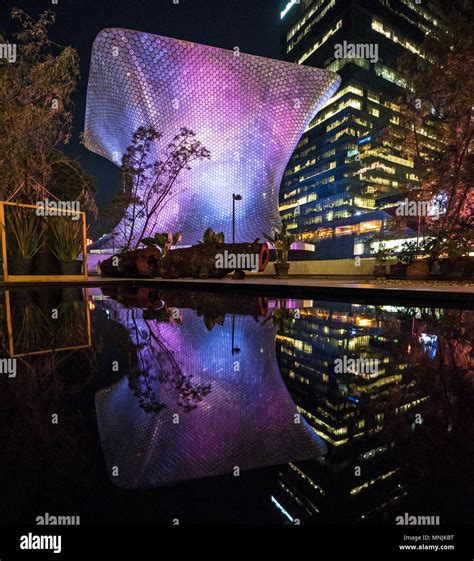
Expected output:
(11, 344)
(40, 278)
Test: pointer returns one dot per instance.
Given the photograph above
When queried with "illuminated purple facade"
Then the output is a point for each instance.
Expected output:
(247, 110)
(198, 402)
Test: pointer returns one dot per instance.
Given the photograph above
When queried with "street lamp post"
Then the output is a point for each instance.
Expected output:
(234, 198)
(235, 350)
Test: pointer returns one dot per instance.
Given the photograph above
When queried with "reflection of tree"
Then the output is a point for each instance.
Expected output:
(49, 383)
(48, 455)
(31, 330)
(158, 368)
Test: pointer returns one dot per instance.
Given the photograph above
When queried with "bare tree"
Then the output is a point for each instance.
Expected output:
(149, 184)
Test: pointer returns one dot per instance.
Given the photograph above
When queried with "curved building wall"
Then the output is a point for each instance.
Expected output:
(248, 111)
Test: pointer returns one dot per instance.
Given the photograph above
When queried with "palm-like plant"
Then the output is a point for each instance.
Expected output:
(65, 238)
(281, 242)
(23, 232)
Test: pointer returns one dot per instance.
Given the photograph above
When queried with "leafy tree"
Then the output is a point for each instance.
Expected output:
(70, 182)
(36, 116)
(436, 109)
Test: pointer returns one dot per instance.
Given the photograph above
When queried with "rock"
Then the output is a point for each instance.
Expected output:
(140, 263)
(199, 261)
(238, 274)
(418, 270)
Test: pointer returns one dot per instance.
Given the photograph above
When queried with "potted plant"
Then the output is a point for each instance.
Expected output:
(24, 239)
(409, 255)
(45, 262)
(65, 242)
(381, 258)
(281, 242)
(405, 257)
(456, 248)
(213, 237)
(163, 241)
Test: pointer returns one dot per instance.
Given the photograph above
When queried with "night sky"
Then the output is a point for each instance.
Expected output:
(252, 25)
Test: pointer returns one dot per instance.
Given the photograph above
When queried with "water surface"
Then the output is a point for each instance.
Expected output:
(133, 406)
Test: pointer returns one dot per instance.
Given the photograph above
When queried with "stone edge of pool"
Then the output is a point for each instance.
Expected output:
(299, 286)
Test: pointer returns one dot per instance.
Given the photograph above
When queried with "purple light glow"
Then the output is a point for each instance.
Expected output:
(247, 418)
(248, 111)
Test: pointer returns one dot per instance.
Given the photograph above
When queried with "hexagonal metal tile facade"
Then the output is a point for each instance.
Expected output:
(249, 111)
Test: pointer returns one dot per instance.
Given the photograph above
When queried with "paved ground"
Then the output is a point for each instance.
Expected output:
(385, 284)
(458, 292)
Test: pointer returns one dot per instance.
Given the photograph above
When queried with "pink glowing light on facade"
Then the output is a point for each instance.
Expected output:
(248, 111)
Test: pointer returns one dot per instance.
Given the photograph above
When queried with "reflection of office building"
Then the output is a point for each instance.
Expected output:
(248, 111)
(348, 410)
(343, 173)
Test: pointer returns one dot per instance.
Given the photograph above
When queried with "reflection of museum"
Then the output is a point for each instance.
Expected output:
(348, 411)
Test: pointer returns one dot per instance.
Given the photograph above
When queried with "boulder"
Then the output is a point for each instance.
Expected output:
(140, 263)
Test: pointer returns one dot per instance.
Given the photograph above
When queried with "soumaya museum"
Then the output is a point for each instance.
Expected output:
(236, 280)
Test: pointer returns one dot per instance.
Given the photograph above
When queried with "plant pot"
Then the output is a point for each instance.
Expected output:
(469, 269)
(441, 268)
(49, 299)
(72, 294)
(21, 298)
(418, 270)
(457, 269)
(380, 270)
(71, 268)
(19, 266)
(398, 270)
(45, 263)
(281, 269)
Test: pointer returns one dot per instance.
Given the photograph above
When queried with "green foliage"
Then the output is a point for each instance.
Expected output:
(71, 325)
(281, 241)
(454, 242)
(383, 253)
(30, 325)
(65, 238)
(213, 237)
(23, 232)
(438, 96)
(69, 182)
(36, 107)
(164, 241)
(409, 252)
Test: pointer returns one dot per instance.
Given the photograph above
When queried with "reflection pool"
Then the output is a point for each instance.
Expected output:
(142, 406)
